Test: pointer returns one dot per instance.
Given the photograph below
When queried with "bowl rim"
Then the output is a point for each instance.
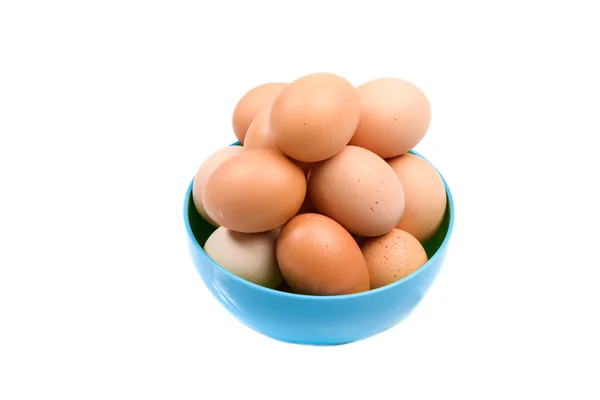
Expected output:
(276, 292)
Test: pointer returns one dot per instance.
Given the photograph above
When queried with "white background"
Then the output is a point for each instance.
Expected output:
(107, 108)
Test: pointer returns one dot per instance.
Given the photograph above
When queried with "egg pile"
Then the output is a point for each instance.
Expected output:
(323, 196)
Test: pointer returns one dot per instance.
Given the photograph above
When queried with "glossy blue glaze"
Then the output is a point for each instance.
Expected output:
(318, 320)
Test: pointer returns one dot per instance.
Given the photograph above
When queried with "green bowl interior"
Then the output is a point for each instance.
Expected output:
(202, 229)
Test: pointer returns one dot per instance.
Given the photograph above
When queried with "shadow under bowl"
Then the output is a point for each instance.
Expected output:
(316, 320)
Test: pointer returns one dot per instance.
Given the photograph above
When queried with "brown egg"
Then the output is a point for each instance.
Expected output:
(424, 193)
(315, 116)
(207, 168)
(259, 135)
(256, 191)
(359, 190)
(317, 256)
(250, 105)
(392, 256)
(395, 116)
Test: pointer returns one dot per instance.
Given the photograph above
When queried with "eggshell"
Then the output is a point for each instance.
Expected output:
(315, 116)
(395, 116)
(256, 191)
(251, 104)
(259, 136)
(359, 190)
(250, 256)
(207, 168)
(317, 256)
(392, 256)
(424, 193)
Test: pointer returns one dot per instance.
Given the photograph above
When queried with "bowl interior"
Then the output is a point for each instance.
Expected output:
(202, 229)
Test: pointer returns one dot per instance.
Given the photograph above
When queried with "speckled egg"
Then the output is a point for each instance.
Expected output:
(392, 256)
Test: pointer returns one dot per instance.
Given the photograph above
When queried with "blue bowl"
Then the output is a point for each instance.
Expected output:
(317, 320)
